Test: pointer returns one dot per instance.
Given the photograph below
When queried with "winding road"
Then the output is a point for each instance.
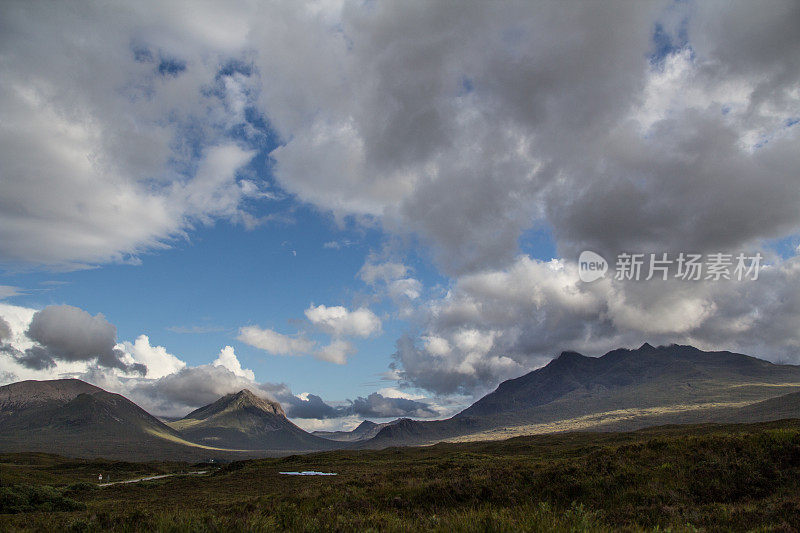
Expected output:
(149, 478)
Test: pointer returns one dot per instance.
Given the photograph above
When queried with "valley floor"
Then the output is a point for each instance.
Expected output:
(708, 477)
(641, 416)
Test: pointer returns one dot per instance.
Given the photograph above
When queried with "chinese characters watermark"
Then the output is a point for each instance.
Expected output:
(663, 266)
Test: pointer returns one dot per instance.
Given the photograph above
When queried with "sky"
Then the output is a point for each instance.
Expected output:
(377, 209)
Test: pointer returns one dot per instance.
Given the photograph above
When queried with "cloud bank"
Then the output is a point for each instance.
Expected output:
(630, 126)
(73, 343)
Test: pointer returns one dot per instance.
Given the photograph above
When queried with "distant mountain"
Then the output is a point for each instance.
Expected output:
(623, 389)
(243, 421)
(71, 417)
(646, 377)
(364, 431)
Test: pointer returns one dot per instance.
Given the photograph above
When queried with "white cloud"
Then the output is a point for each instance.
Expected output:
(336, 321)
(158, 361)
(335, 352)
(7, 291)
(227, 358)
(339, 321)
(409, 288)
(18, 318)
(110, 155)
(391, 392)
(462, 125)
(329, 424)
(499, 324)
(386, 272)
(170, 387)
(337, 245)
(274, 342)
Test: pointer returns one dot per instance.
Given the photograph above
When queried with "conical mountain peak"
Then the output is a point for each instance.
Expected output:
(245, 394)
(245, 421)
(245, 398)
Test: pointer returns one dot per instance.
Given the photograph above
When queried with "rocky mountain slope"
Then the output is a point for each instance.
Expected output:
(243, 421)
(622, 390)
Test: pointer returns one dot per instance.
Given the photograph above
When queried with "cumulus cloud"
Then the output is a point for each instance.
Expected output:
(192, 387)
(611, 140)
(391, 279)
(499, 324)
(339, 321)
(335, 352)
(67, 333)
(227, 358)
(273, 342)
(374, 405)
(471, 101)
(156, 359)
(312, 406)
(408, 288)
(463, 125)
(377, 406)
(110, 165)
(65, 340)
(334, 320)
(34, 358)
(388, 271)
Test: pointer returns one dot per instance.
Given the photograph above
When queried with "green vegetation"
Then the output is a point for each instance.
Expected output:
(28, 498)
(733, 477)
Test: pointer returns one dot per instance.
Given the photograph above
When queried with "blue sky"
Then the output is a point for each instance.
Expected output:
(223, 277)
(385, 201)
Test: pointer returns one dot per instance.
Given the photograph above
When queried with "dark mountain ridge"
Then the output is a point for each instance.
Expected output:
(364, 431)
(671, 383)
(622, 390)
(571, 372)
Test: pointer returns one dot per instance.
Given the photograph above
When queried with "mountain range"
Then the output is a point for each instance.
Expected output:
(622, 390)
(364, 431)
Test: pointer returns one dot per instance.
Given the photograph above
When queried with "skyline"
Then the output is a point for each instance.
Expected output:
(375, 210)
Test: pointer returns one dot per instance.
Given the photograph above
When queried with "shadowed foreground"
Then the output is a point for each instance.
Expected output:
(708, 477)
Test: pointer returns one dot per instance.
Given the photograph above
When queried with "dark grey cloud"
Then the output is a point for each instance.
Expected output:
(67, 333)
(464, 124)
(5, 330)
(311, 407)
(378, 406)
(374, 405)
(189, 388)
(452, 137)
(481, 121)
(35, 358)
(538, 115)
